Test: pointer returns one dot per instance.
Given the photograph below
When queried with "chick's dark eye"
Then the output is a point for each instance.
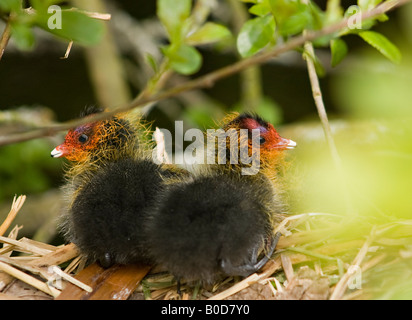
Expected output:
(262, 140)
(83, 138)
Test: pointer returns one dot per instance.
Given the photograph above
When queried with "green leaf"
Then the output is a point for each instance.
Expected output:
(10, 5)
(382, 44)
(339, 50)
(382, 18)
(72, 25)
(172, 14)
(151, 61)
(320, 69)
(368, 4)
(282, 9)
(295, 23)
(260, 9)
(334, 12)
(22, 35)
(255, 34)
(208, 33)
(318, 17)
(183, 59)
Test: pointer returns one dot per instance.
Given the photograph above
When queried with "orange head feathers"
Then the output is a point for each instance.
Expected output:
(78, 143)
(105, 139)
(270, 144)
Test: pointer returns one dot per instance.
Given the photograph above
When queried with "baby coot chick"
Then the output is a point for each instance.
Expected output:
(110, 186)
(221, 222)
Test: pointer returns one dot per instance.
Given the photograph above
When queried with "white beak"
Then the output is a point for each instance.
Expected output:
(56, 153)
(291, 144)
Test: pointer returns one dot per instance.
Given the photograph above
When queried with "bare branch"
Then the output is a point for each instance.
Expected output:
(94, 15)
(69, 48)
(5, 38)
(320, 106)
(204, 81)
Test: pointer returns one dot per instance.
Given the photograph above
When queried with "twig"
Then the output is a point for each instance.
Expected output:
(25, 246)
(42, 264)
(69, 48)
(203, 81)
(15, 208)
(317, 255)
(317, 96)
(72, 280)
(341, 286)
(271, 267)
(237, 287)
(287, 267)
(5, 38)
(94, 15)
(320, 106)
(29, 279)
(7, 249)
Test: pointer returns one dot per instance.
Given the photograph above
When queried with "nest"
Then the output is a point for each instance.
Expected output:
(319, 256)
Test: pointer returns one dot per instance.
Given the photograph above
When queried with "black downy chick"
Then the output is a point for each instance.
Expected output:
(221, 222)
(113, 181)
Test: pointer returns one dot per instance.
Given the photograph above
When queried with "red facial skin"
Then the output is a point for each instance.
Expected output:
(78, 143)
(272, 146)
(272, 138)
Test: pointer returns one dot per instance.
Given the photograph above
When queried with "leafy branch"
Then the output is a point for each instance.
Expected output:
(178, 50)
(80, 26)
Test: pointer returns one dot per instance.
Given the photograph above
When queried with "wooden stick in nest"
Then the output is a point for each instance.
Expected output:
(115, 283)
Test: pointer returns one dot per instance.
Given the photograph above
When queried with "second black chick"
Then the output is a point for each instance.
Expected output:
(221, 222)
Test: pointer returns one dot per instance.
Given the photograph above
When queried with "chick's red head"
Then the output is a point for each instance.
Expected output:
(78, 143)
(270, 143)
(269, 138)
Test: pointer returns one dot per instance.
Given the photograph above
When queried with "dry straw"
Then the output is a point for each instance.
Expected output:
(328, 245)
(36, 263)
